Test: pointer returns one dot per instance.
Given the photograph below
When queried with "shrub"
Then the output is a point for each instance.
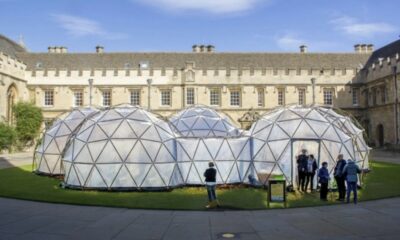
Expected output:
(7, 136)
(28, 119)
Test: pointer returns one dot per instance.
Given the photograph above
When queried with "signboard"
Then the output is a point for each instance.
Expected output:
(277, 191)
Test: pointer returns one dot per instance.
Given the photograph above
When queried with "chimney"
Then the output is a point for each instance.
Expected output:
(99, 49)
(370, 48)
(51, 50)
(202, 48)
(364, 48)
(57, 49)
(196, 48)
(63, 50)
(210, 48)
(357, 48)
(303, 49)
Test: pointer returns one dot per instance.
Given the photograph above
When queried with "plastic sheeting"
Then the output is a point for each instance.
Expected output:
(48, 154)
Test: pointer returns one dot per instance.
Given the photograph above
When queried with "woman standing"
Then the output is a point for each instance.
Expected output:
(311, 169)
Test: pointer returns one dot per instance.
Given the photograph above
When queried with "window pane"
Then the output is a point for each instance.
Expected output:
(190, 96)
(302, 96)
(215, 96)
(135, 97)
(106, 98)
(260, 97)
(355, 93)
(328, 97)
(235, 97)
(281, 97)
(78, 98)
(166, 98)
(49, 98)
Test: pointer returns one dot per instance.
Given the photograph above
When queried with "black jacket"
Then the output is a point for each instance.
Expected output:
(210, 175)
(338, 172)
(302, 162)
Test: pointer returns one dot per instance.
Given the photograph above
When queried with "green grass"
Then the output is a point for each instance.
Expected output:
(20, 183)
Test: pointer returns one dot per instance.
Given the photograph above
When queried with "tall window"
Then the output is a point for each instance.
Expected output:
(328, 96)
(165, 97)
(106, 98)
(373, 96)
(235, 97)
(260, 97)
(356, 96)
(215, 96)
(49, 98)
(135, 97)
(281, 97)
(78, 98)
(383, 95)
(189, 96)
(302, 96)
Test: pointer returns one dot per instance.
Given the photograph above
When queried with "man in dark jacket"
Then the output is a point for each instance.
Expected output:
(340, 177)
(302, 161)
(210, 175)
(323, 179)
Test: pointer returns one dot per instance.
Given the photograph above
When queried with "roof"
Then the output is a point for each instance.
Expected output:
(202, 60)
(387, 51)
(10, 47)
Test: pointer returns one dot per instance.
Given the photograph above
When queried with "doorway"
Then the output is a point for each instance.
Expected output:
(380, 135)
(312, 147)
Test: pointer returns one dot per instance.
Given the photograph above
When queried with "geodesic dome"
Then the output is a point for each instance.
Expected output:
(202, 121)
(279, 136)
(123, 147)
(48, 154)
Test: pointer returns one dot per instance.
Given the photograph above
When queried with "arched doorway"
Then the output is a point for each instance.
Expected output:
(380, 135)
(12, 96)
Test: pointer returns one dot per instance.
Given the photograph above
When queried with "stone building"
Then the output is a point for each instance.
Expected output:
(242, 85)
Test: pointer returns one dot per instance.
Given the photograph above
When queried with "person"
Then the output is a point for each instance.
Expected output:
(311, 169)
(210, 179)
(302, 161)
(323, 179)
(339, 177)
(350, 171)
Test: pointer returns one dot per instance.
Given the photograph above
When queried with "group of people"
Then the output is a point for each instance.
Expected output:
(345, 173)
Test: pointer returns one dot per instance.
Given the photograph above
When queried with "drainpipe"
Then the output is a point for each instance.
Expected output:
(313, 90)
(396, 105)
(149, 81)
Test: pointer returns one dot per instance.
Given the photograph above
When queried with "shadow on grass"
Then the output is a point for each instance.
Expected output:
(20, 183)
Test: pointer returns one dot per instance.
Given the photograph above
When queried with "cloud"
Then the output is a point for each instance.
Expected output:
(353, 27)
(211, 6)
(82, 27)
(288, 42)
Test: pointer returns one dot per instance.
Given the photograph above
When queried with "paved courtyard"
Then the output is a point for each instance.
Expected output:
(34, 220)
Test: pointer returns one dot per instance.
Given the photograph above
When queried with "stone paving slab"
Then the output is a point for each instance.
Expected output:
(34, 220)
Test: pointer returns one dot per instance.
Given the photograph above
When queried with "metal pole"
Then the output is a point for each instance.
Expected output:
(90, 91)
(313, 90)
(396, 105)
(148, 92)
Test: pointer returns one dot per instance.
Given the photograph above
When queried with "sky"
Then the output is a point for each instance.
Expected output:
(175, 25)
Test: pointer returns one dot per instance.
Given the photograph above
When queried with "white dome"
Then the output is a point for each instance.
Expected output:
(202, 121)
(123, 147)
(49, 153)
(279, 136)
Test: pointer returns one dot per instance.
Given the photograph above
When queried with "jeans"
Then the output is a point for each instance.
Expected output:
(341, 187)
(310, 179)
(211, 193)
(352, 187)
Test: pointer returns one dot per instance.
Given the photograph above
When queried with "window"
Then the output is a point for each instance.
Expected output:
(383, 95)
(328, 96)
(373, 96)
(215, 95)
(189, 96)
(78, 98)
(165, 97)
(260, 97)
(355, 96)
(302, 96)
(281, 97)
(135, 97)
(49, 98)
(106, 98)
(235, 97)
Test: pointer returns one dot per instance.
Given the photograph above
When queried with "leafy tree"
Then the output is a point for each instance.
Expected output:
(7, 136)
(28, 121)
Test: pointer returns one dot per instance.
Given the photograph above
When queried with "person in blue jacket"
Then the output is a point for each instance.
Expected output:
(323, 179)
(350, 171)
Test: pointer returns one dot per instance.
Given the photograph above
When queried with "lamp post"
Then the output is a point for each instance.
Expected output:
(90, 91)
(396, 105)
(313, 90)
(149, 81)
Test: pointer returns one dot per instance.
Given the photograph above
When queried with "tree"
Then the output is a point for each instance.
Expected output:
(28, 121)
(7, 136)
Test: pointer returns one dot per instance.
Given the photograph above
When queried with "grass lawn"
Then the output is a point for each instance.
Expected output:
(19, 182)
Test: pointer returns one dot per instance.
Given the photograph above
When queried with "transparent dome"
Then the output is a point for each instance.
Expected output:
(202, 121)
(123, 147)
(48, 154)
(279, 136)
